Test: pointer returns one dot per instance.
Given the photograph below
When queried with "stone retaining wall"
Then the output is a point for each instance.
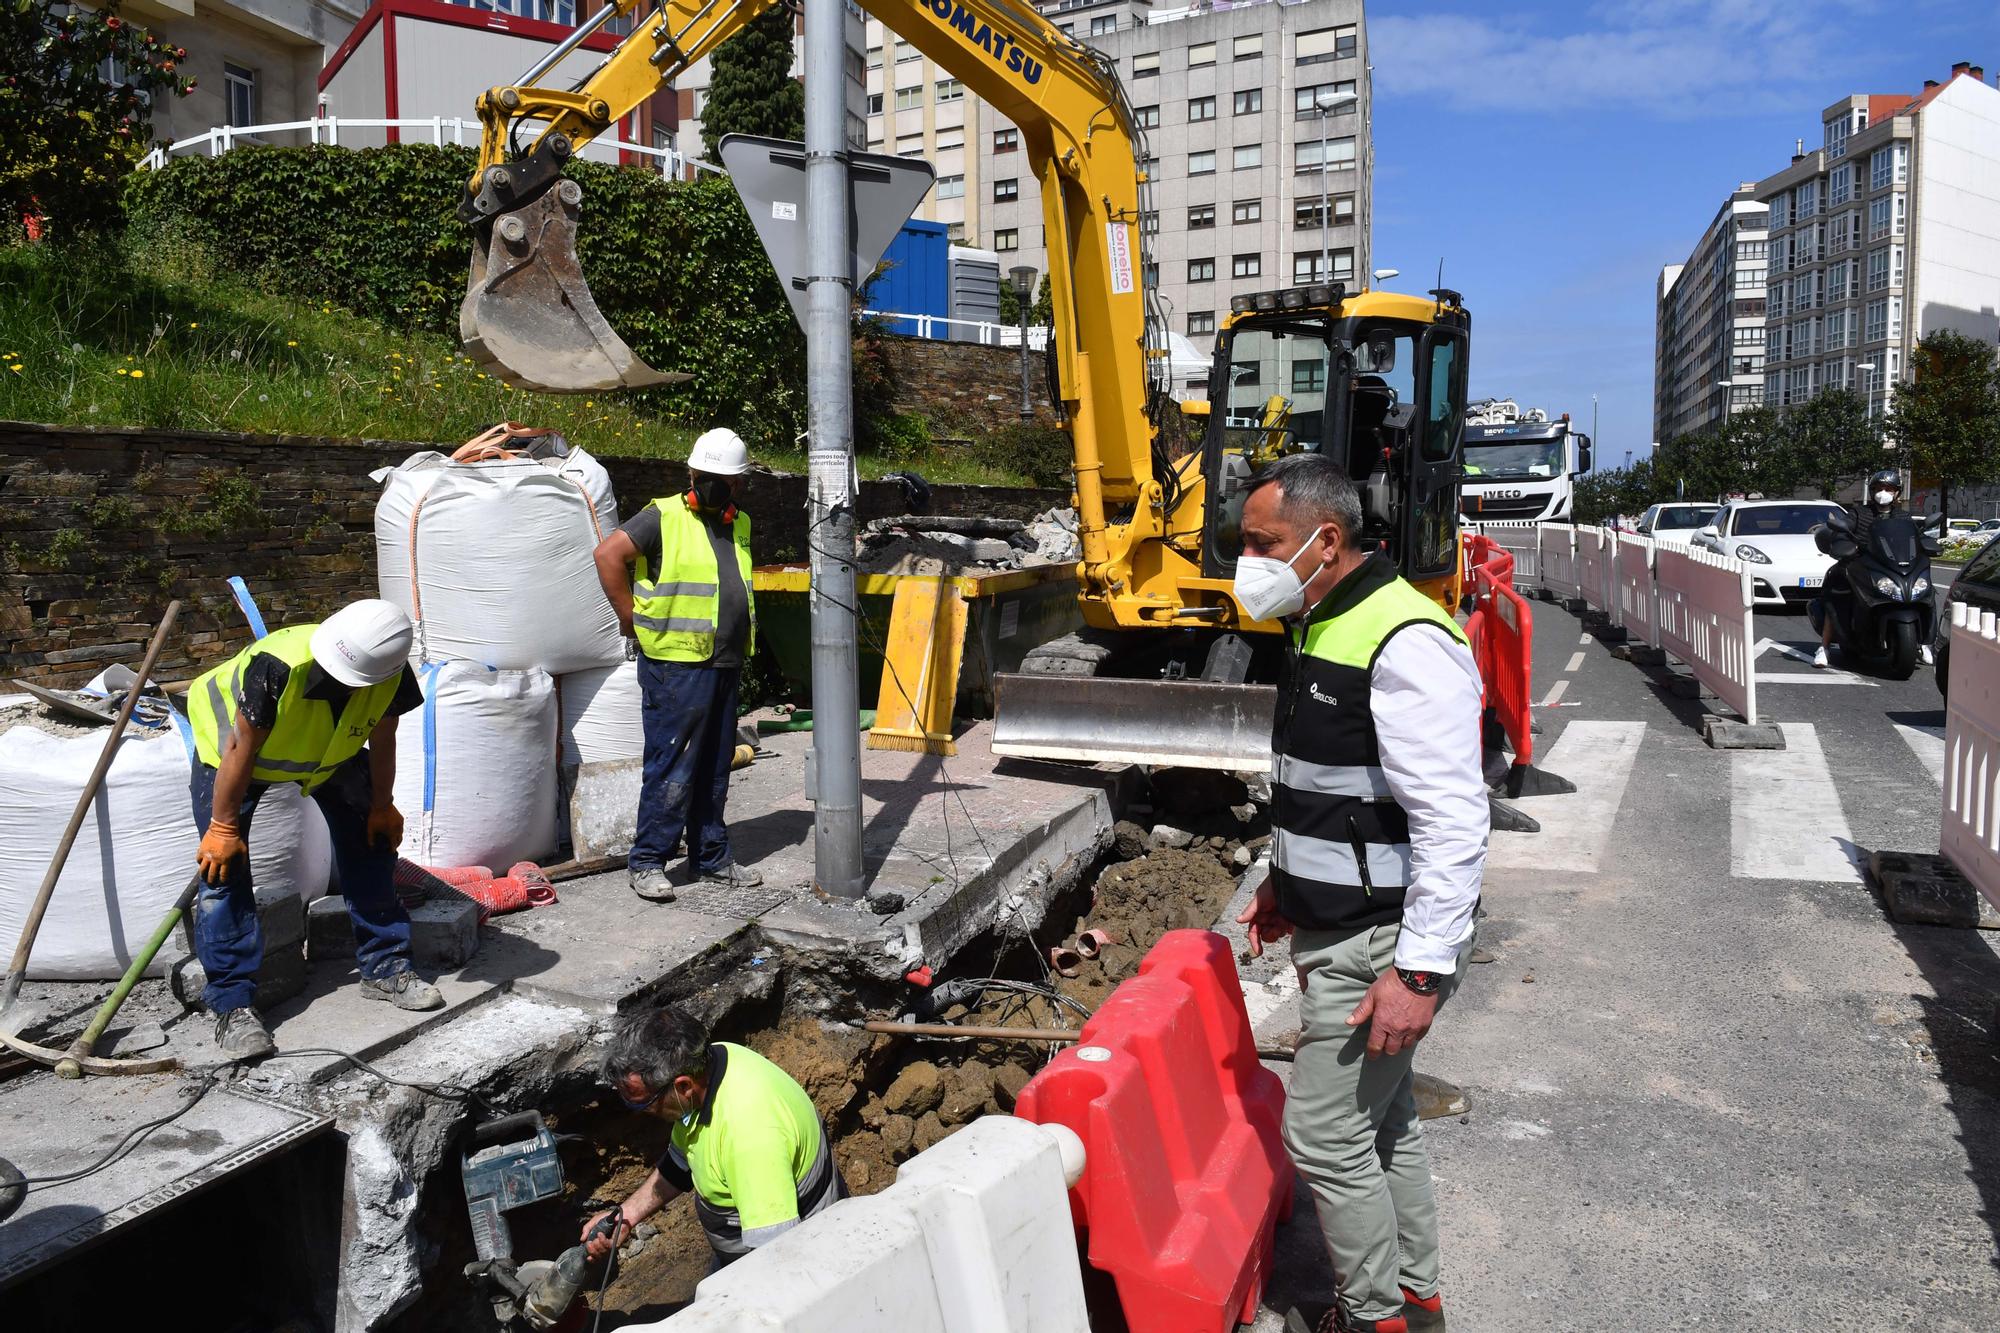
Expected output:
(964, 387)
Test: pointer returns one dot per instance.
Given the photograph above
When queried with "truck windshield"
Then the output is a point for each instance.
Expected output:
(1514, 460)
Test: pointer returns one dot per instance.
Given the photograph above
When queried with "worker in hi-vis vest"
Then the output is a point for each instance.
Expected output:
(314, 705)
(678, 575)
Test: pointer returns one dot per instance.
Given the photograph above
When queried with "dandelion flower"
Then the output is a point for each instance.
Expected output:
(130, 357)
(193, 324)
(138, 374)
(482, 374)
(16, 367)
(123, 371)
(293, 343)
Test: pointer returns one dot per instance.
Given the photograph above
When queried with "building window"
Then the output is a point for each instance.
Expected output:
(239, 89)
(951, 187)
(1881, 167)
(1895, 317)
(1201, 270)
(1781, 210)
(1306, 214)
(1200, 216)
(1805, 200)
(1309, 376)
(949, 139)
(904, 51)
(1201, 164)
(874, 104)
(1836, 281)
(1840, 185)
(1006, 141)
(1201, 53)
(1149, 223)
(1102, 24)
(1878, 269)
(1323, 44)
(1836, 137)
(1149, 276)
(1878, 217)
(1246, 266)
(874, 57)
(1249, 102)
(910, 145)
(1145, 65)
(1902, 204)
(1307, 267)
(1248, 47)
(1006, 190)
(910, 99)
(954, 231)
(1248, 156)
(1247, 210)
(1007, 238)
(1339, 155)
(1901, 154)
(950, 90)
(1200, 322)
(1895, 266)
(1305, 99)
(1146, 117)
(1201, 108)
(1836, 331)
(1878, 321)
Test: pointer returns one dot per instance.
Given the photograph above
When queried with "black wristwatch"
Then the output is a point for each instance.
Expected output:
(1423, 983)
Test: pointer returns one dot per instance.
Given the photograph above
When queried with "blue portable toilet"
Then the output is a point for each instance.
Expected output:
(914, 280)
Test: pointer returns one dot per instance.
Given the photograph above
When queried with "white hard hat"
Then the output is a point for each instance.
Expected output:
(363, 644)
(720, 453)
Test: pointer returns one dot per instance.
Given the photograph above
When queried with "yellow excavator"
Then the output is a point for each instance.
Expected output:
(1168, 670)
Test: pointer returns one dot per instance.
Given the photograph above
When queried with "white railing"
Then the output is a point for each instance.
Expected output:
(1519, 538)
(1703, 606)
(1970, 832)
(1635, 589)
(1597, 570)
(1556, 544)
(438, 130)
(935, 327)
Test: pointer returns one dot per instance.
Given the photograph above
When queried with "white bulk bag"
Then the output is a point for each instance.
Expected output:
(476, 767)
(601, 715)
(492, 560)
(134, 854)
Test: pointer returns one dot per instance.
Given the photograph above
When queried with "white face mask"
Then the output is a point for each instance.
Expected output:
(1268, 587)
(1883, 499)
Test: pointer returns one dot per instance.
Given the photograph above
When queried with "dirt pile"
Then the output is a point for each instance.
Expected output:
(1138, 901)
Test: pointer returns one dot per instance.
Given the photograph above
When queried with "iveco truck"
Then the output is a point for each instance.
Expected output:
(1519, 464)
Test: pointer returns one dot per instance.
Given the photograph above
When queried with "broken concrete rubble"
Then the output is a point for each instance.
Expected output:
(929, 544)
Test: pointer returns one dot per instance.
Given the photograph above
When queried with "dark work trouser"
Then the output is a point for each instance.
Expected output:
(690, 722)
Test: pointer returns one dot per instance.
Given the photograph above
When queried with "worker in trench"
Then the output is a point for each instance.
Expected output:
(1380, 822)
(746, 1138)
(678, 576)
(314, 705)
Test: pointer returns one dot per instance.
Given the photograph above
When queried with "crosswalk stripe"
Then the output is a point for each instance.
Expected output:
(1928, 743)
(1576, 827)
(1785, 818)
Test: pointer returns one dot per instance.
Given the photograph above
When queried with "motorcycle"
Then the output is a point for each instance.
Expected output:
(1887, 612)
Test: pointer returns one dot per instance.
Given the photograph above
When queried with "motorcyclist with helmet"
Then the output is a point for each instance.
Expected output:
(1882, 497)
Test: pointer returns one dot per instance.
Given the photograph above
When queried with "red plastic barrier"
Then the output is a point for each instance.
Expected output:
(1186, 1177)
(1506, 658)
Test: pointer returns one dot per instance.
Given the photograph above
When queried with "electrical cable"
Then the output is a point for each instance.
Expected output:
(443, 1091)
(131, 1140)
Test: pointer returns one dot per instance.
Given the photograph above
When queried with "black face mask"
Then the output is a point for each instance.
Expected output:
(711, 494)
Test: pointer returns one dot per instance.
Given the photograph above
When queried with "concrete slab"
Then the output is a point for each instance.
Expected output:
(597, 948)
(332, 1015)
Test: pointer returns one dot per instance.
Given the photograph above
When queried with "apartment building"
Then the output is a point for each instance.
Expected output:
(1709, 348)
(1228, 104)
(1887, 231)
(253, 63)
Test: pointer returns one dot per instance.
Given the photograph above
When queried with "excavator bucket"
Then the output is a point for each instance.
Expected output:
(1166, 723)
(528, 313)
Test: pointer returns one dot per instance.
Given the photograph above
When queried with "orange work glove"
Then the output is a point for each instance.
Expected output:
(385, 827)
(222, 844)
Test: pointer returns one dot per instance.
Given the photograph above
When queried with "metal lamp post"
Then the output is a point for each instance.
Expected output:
(1326, 104)
(1868, 366)
(1023, 276)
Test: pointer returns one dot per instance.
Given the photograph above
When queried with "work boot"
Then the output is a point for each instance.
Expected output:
(1313, 1317)
(405, 990)
(242, 1035)
(650, 883)
(732, 876)
(1423, 1314)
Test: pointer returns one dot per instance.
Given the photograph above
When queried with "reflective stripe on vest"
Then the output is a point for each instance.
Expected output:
(307, 742)
(675, 607)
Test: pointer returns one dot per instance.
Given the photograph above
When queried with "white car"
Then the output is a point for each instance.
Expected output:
(1674, 522)
(1774, 537)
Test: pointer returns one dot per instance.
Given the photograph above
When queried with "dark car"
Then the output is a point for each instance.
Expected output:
(1977, 585)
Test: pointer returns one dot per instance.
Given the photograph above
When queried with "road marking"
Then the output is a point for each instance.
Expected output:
(1785, 819)
(1555, 693)
(1576, 827)
(1928, 743)
(1584, 640)
(1575, 660)
(1803, 653)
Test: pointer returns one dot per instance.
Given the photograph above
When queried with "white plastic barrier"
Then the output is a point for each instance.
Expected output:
(476, 767)
(1596, 574)
(1970, 833)
(1633, 568)
(601, 714)
(493, 560)
(1556, 544)
(1703, 603)
(1518, 538)
(974, 1237)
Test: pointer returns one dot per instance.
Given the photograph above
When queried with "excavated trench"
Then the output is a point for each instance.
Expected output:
(886, 1098)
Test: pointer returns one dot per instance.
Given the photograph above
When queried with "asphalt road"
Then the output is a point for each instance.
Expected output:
(1712, 1084)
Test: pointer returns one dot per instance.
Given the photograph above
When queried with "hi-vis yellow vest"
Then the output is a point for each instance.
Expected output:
(308, 742)
(674, 608)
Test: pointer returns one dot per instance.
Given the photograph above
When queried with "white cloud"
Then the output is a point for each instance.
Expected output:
(1682, 58)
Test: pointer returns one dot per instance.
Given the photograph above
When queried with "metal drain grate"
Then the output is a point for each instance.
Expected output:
(717, 900)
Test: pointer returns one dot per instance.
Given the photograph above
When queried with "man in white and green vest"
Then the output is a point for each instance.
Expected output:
(314, 705)
(1380, 818)
(678, 575)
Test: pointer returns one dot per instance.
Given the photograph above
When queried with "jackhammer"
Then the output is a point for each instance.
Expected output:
(513, 1163)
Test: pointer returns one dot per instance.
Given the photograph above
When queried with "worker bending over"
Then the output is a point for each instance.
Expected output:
(1380, 820)
(314, 705)
(678, 575)
(746, 1138)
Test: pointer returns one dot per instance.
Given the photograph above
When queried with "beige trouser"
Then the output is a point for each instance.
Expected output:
(1351, 1126)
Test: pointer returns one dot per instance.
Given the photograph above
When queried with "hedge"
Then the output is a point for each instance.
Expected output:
(675, 266)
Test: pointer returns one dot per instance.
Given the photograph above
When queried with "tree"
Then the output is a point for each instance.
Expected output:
(73, 131)
(1946, 420)
(1041, 312)
(751, 89)
(1829, 440)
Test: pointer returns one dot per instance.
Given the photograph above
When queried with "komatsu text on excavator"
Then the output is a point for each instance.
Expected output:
(1374, 379)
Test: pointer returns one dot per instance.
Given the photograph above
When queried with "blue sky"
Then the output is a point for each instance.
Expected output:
(1555, 156)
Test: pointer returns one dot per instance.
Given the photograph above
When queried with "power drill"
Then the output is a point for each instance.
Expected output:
(513, 1163)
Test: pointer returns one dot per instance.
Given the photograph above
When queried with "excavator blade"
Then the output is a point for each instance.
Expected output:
(1166, 723)
(528, 313)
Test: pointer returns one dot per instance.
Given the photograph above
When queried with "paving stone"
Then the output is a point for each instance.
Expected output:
(444, 932)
